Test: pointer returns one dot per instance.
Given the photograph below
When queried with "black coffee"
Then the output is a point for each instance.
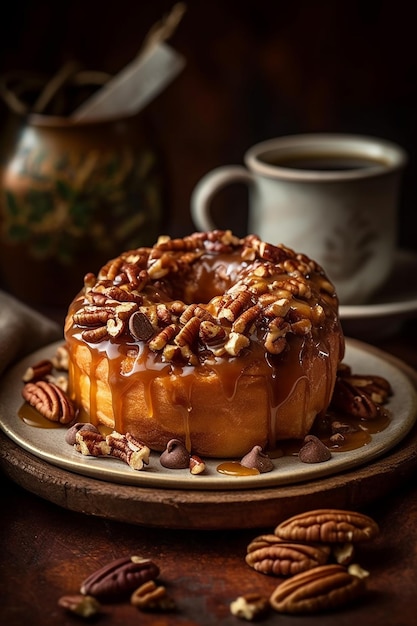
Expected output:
(322, 162)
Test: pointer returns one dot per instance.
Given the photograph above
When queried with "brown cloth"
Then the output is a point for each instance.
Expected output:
(22, 330)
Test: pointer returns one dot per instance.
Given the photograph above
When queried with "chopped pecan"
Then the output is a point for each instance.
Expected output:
(91, 443)
(243, 322)
(50, 401)
(276, 307)
(195, 310)
(286, 558)
(71, 434)
(275, 341)
(83, 606)
(95, 335)
(163, 314)
(129, 449)
(197, 465)
(328, 526)
(38, 371)
(235, 343)
(121, 446)
(115, 327)
(59, 381)
(60, 359)
(250, 607)
(188, 333)
(125, 310)
(356, 570)
(163, 337)
(122, 295)
(211, 333)
(152, 597)
(343, 553)
(321, 588)
(235, 305)
(93, 316)
(120, 578)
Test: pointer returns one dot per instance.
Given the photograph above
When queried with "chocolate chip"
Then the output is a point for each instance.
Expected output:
(314, 451)
(257, 459)
(175, 456)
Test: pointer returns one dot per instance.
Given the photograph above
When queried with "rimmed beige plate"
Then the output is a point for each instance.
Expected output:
(49, 444)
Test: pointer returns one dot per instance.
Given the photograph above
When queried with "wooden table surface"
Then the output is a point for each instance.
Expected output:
(46, 551)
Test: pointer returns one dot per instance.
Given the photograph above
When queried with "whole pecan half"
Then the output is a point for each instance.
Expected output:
(328, 526)
(360, 396)
(50, 401)
(286, 558)
(324, 587)
(119, 578)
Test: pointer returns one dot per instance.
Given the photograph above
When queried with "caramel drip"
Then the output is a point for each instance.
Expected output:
(182, 400)
(93, 391)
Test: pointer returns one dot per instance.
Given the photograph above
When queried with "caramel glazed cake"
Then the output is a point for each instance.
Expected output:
(221, 342)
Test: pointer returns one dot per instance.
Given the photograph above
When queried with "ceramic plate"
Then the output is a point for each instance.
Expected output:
(394, 302)
(49, 444)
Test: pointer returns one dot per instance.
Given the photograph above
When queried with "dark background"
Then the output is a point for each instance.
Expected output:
(254, 70)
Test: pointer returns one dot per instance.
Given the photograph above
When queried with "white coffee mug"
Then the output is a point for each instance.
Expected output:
(331, 196)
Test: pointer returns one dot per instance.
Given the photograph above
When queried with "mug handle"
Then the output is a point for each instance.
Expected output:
(207, 188)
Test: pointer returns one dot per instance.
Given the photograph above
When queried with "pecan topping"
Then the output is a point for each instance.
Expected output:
(95, 335)
(276, 292)
(120, 578)
(328, 526)
(50, 401)
(188, 333)
(321, 588)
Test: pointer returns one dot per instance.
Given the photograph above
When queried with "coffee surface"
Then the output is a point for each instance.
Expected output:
(322, 162)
